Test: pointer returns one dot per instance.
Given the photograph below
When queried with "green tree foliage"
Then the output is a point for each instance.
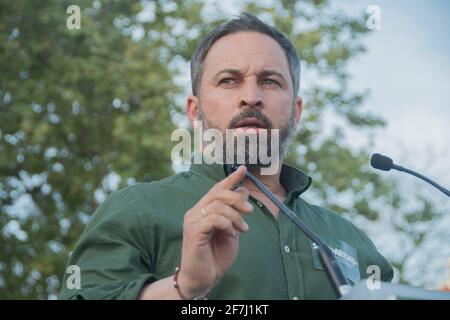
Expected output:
(80, 108)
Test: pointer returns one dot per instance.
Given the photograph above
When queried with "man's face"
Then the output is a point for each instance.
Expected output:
(246, 84)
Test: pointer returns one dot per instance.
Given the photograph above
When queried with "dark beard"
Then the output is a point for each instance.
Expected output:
(286, 133)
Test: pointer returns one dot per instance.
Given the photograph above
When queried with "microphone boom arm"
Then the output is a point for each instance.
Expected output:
(338, 281)
(418, 175)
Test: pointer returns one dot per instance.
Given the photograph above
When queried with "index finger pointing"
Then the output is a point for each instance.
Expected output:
(233, 179)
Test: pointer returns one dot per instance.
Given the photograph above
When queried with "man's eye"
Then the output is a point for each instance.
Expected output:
(227, 80)
(270, 82)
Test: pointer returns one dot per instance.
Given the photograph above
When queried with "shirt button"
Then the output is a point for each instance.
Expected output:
(287, 249)
(295, 298)
(259, 203)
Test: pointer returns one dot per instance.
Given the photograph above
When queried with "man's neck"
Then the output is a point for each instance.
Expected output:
(272, 182)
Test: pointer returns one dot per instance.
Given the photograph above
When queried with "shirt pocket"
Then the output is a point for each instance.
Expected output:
(346, 256)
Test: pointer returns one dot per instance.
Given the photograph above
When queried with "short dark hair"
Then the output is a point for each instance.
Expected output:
(246, 22)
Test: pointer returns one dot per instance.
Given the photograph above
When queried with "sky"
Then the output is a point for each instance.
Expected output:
(407, 69)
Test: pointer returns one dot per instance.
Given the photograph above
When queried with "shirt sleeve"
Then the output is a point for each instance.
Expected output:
(387, 272)
(112, 254)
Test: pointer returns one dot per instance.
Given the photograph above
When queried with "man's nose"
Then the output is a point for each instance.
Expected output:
(251, 95)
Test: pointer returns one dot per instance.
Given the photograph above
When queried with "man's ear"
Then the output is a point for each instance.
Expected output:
(298, 109)
(192, 109)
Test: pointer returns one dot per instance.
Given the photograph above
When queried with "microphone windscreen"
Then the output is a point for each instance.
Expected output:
(378, 161)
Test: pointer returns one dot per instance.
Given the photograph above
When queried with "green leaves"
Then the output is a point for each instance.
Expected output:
(78, 105)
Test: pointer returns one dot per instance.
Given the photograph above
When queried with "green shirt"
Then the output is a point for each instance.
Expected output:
(135, 238)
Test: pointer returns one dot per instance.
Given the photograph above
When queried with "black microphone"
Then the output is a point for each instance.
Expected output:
(338, 281)
(381, 162)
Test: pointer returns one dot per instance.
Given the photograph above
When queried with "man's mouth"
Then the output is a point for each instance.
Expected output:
(250, 124)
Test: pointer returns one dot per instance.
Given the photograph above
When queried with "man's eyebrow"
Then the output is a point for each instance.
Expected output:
(236, 72)
(264, 73)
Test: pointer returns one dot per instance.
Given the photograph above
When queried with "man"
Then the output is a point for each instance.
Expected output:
(224, 238)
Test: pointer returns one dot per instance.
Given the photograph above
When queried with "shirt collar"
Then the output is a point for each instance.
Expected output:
(293, 180)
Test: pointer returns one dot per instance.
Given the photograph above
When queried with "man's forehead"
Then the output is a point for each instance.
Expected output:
(243, 50)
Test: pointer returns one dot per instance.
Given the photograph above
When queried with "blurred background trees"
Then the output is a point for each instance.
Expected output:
(85, 112)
